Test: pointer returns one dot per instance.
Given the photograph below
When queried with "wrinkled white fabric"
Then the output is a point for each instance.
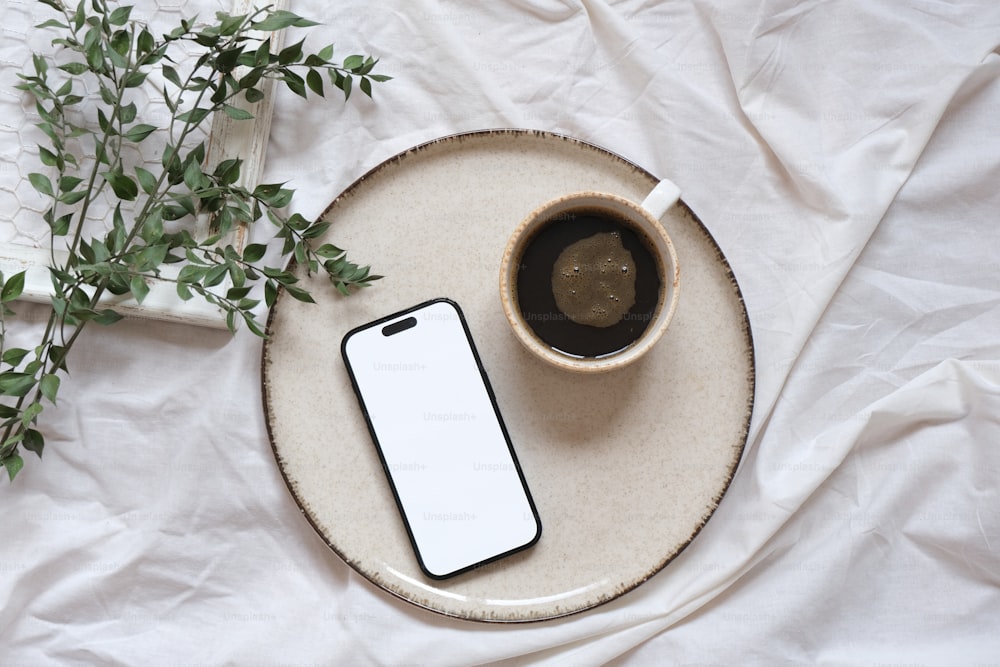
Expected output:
(845, 156)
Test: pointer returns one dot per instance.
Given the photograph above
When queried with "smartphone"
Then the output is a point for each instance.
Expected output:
(437, 428)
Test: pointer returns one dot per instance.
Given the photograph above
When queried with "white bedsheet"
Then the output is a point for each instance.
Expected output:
(846, 157)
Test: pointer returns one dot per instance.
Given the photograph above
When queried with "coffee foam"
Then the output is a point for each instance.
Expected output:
(593, 280)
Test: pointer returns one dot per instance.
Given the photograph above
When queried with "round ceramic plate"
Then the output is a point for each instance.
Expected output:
(625, 468)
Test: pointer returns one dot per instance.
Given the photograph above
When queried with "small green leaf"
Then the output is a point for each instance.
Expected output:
(123, 185)
(236, 113)
(95, 57)
(254, 95)
(261, 57)
(103, 122)
(299, 294)
(315, 82)
(16, 384)
(345, 85)
(13, 463)
(48, 158)
(229, 25)
(172, 162)
(194, 116)
(291, 54)
(221, 92)
(74, 68)
(31, 413)
(117, 237)
(13, 357)
(60, 227)
(281, 19)
(49, 131)
(139, 288)
(59, 305)
(41, 65)
(151, 257)
(78, 17)
(135, 79)
(254, 252)
(67, 183)
(87, 253)
(127, 112)
(281, 199)
(41, 183)
(174, 212)
(139, 132)
(228, 59)
(354, 62)
(12, 288)
(71, 198)
(295, 83)
(215, 275)
(48, 115)
(329, 251)
(52, 23)
(121, 43)
(170, 74)
(108, 95)
(252, 324)
(33, 441)
(270, 293)
(298, 222)
(228, 171)
(145, 43)
(49, 386)
(120, 15)
(197, 153)
(193, 177)
(266, 190)
(107, 317)
(236, 274)
(237, 293)
(146, 179)
(316, 230)
(191, 274)
(193, 258)
(152, 226)
(368, 65)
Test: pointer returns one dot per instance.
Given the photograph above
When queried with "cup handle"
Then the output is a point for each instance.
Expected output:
(663, 196)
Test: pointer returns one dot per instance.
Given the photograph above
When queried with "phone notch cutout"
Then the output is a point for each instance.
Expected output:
(401, 325)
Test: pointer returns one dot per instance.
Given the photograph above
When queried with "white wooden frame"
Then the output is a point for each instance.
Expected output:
(244, 139)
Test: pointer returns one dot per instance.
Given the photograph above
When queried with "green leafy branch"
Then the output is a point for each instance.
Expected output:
(153, 212)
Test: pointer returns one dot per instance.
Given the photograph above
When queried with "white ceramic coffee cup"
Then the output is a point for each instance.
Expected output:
(645, 217)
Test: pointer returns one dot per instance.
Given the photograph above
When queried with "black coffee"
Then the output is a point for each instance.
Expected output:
(588, 284)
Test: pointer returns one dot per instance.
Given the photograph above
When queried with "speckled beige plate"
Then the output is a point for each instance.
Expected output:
(625, 467)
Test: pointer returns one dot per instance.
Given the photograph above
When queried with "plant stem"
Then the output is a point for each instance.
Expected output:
(117, 53)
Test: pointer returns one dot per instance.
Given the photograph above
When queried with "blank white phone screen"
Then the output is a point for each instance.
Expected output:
(440, 436)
